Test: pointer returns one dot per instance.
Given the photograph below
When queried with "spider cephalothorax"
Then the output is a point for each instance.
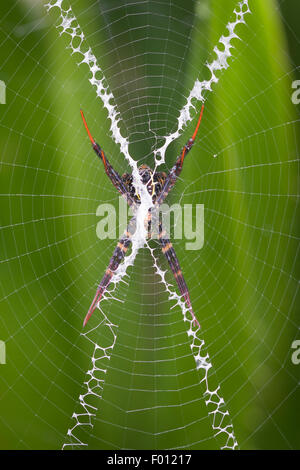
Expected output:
(158, 184)
(152, 180)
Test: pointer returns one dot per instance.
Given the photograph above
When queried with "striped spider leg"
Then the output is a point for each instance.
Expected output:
(158, 185)
(167, 247)
(125, 241)
(176, 169)
(113, 175)
(169, 252)
(117, 257)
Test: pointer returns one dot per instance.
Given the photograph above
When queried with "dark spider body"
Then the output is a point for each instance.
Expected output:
(158, 185)
(153, 181)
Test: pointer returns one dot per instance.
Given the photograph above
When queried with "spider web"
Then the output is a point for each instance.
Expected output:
(141, 375)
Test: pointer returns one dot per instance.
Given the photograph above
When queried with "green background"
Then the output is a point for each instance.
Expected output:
(243, 283)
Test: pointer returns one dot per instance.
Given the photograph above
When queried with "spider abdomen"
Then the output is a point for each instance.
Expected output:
(153, 181)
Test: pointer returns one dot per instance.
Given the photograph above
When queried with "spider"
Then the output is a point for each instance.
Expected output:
(158, 184)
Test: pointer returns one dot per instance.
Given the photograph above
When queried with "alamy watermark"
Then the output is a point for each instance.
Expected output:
(296, 354)
(2, 352)
(2, 92)
(296, 95)
(178, 222)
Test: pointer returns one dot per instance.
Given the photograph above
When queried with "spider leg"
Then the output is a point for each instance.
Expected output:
(117, 257)
(169, 252)
(111, 173)
(176, 169)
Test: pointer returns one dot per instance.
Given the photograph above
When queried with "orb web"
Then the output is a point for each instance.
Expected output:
(141, 375)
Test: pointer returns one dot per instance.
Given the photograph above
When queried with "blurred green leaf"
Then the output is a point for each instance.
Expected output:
(243, 283)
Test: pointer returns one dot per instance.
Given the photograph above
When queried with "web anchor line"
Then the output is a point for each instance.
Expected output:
(94, 384)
